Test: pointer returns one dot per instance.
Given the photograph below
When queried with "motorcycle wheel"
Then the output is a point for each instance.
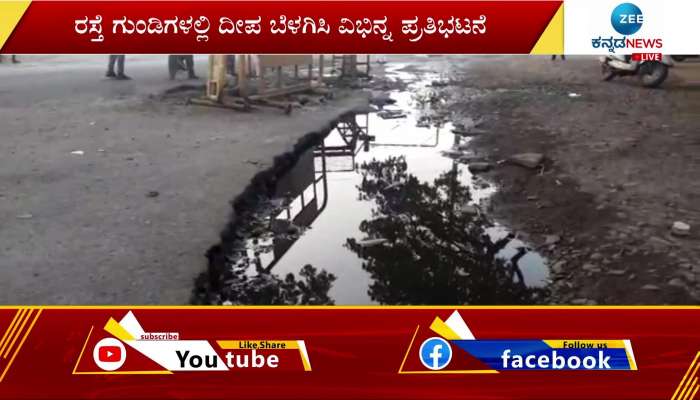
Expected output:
(653, 74)
(608, 72)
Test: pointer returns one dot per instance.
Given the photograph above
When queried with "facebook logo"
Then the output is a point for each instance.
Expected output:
(435, 353)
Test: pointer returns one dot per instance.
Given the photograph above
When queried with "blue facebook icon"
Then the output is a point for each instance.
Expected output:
(435, 353)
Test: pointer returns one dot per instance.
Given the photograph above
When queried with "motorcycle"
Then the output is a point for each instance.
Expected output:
(651, 73)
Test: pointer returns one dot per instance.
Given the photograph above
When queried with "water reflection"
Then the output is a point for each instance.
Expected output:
(422, 246)
(382, 215)
(242, 272)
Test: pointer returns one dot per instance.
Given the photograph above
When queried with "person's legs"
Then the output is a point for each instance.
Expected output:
(14, 59)
(189, 62)
(120, 64)
(120, 67)
(172, 66)
(110, 66)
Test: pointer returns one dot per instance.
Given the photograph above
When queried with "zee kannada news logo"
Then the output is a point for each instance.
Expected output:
(626, 19)
(167, 352)
(455, 344)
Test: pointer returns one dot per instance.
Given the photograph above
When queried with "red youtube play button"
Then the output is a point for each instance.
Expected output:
(109, 354)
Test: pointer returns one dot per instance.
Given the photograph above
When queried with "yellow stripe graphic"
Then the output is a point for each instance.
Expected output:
(18, 327)
(21, 343)
(408, 350)
(688, 387)
(82, 350)
(304, 355)
(383, 308)
(608, 344)
(440, 327)
(115, 329)
(9, 329)
(692, 396)
(451, 371)
(692, 391)
(552, 39)
(163, 372)
(10, 14)
(237, 344)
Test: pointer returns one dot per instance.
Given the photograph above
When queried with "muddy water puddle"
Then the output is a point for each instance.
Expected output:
(382, 211)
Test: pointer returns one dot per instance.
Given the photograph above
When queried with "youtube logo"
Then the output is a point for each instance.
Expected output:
(109, 354)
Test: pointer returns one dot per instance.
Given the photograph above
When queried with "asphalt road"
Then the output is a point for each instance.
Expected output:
(109, 195)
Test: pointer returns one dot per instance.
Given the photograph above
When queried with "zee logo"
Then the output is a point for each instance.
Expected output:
(435, 353)
(627, 19)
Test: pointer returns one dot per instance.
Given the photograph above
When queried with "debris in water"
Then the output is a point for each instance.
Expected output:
(477, 167)
(371, 242)
(650, 287)
(152, 194)
(77, 152)
(391, 114)
(381, 99)
(680, 228)
(574, 95)
(252, 162)
(527, 160)
(469, 209)
(452, 153)
(423, 122)
(25, 216)
(467, 132)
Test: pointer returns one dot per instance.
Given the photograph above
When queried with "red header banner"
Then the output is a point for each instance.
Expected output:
(282, 27)
(350, 352)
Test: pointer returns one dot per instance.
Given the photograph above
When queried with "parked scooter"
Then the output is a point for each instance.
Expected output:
(651, 73)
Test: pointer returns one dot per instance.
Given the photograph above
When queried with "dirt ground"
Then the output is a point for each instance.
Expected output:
(622, 164)
(128, 220)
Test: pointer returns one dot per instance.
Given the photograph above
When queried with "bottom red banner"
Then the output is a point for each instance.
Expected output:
(350, 352)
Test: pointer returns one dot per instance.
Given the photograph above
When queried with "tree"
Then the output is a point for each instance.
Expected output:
(436, 250)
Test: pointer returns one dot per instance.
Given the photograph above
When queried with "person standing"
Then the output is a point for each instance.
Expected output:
(14, 59)
(189, 65)
(183, 62)
(119, 60)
